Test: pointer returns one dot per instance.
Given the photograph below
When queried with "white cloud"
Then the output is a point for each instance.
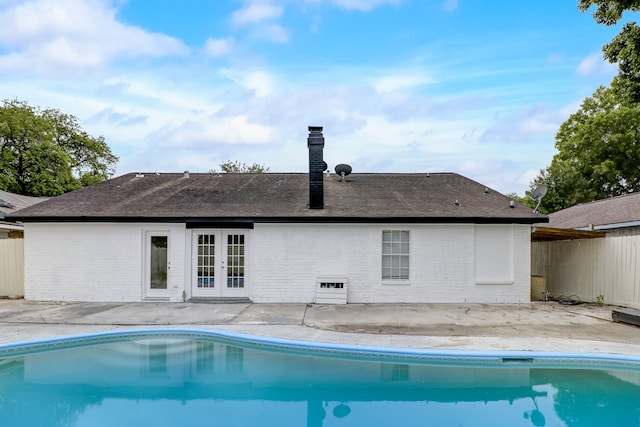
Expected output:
(363, 5)
(527, 177)
(254, 13)
(218, 47)
(261, 83)
(593, 65)
(523, 124)
(208, 131)
(274, 33)
(153, 90)
(73, 36)
(117, 118)
(260, 16)
(450, 5)
(404, 80)
(476, 167)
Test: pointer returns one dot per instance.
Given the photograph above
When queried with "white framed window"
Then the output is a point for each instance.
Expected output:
(395, 255)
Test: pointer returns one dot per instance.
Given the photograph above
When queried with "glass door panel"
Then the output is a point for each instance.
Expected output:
(206, 263)
(235, 261)
(206, 273)
(158, 262)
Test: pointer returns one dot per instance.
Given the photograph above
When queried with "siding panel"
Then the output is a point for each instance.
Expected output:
(11, 267)
(591, 267)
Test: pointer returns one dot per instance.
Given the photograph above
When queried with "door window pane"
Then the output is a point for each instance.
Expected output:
(158, 262)
(206, 260)
(235, 261)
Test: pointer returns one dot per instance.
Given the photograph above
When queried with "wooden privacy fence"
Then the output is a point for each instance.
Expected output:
(589, 268)
(11, 267)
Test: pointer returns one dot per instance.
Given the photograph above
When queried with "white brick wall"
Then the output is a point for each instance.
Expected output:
(104, 262)
(94, 261)
(287, 258)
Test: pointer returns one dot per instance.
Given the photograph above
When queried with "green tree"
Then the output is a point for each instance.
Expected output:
(46, 152)
(237, 167)
(609, 12)
(624, 49)
(598, 153)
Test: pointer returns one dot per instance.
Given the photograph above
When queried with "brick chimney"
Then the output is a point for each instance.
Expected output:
(315, 143)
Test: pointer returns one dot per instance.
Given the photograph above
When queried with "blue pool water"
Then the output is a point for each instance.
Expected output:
(200, 378)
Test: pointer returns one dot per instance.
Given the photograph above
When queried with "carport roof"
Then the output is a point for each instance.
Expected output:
(545, 234)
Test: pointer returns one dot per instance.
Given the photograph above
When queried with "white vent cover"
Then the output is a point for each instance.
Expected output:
(331, 290)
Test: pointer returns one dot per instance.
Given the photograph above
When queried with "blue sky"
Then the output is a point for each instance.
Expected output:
(469, 86)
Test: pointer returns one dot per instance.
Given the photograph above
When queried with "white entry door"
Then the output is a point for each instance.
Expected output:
(157, 267)
(218, 264)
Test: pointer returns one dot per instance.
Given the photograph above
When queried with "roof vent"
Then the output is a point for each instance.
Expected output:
(139, 175)
(186, 174)
(457, 204)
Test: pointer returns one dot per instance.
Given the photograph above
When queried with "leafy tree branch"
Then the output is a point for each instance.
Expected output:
(47, 153)
(237, 167)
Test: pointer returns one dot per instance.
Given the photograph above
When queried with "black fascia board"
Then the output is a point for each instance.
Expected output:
(218, 224)
(247, 222)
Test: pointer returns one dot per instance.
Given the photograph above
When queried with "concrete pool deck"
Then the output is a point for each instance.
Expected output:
(540, 326)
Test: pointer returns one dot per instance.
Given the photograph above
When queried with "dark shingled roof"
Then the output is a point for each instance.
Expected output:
(600, 214)
(11, 202)
(283, 197)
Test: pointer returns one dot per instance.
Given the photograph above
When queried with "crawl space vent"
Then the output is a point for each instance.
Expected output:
(331, 290)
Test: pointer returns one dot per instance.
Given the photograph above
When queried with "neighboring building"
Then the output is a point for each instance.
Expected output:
(279, 237)
(12, 245)
(590, 251)
(9, 204)
(617, 214)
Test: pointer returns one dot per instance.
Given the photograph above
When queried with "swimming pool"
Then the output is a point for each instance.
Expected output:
(200, 377)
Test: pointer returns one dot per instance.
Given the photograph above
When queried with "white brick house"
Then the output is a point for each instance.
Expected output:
(280, 238)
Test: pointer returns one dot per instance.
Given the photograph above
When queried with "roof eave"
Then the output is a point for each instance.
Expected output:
(10, 226)
(283, 219)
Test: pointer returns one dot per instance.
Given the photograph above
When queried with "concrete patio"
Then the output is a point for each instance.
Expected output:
(541, 326)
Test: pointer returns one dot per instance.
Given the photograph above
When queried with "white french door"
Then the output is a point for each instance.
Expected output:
(218, 264)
